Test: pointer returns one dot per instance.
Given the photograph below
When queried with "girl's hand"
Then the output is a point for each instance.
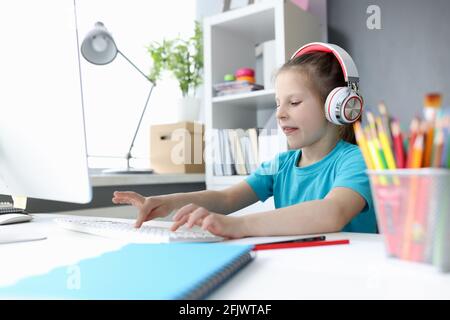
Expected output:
(149, 208)
(218, 224)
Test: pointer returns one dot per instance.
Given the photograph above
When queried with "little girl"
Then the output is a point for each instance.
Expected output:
(319, 185)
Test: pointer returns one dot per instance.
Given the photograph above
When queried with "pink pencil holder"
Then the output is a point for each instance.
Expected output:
(413, 213)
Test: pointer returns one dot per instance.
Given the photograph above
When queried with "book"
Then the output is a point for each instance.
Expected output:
(253, 136)
(236, 150)
(233, 87)
(218, 168)
(139, 272)
(227, 157)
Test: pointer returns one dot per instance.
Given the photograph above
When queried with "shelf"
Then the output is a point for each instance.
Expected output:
(261, 99)
(102, 180)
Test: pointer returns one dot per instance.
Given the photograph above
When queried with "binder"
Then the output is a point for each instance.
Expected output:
(228, 161)
(236, 150)
(139, 272)
(217, 150)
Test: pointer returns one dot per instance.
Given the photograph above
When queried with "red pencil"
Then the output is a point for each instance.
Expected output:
(398, 144)
(299, 244)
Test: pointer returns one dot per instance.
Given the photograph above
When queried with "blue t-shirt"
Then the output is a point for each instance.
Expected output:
(344, 166)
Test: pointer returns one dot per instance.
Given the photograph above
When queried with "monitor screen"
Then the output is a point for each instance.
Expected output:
(42, 133)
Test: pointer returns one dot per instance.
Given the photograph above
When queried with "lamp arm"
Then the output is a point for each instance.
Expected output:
(125, 57)
(138, 126)
(128, 156)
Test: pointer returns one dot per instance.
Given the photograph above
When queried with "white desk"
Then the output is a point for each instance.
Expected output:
(359, 270)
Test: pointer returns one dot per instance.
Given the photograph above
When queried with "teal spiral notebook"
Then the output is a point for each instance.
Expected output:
(139, 271)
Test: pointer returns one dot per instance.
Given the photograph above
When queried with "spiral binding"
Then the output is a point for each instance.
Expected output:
(212, 282)
(7, 207)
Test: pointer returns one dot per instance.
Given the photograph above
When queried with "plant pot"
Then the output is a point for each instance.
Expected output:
(188, 109)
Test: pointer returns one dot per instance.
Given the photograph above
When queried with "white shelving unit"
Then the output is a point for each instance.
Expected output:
(261, 99)
(229, 44)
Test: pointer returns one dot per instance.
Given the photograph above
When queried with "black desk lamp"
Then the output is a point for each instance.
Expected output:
(98, 47)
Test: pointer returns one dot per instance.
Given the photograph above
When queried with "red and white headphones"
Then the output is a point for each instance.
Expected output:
(343, 105)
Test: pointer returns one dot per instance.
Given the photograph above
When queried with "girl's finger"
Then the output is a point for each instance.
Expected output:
(149, 210)
(141, 218)
(210, 224)
(184, 210)
(127, 194)
(128, 197)
(199, 222)
(199, 213)
(179, 223)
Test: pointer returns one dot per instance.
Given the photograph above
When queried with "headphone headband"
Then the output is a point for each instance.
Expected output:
(347, 65)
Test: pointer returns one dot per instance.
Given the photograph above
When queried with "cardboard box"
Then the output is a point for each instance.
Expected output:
(177, 148)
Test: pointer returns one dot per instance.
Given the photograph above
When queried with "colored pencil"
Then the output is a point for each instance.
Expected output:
(438, 149)
(420, 218)
(432, 103)
(413, 182)
(386, 120)
(398, 144)
(417, 152)
(385, 145)
(362, 143)
(299, 244)
(445, 118)
(429, 137)
(375, 141)
(373, 151)
(413, 129)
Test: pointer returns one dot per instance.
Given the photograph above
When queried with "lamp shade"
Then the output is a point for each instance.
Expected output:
(98, 47)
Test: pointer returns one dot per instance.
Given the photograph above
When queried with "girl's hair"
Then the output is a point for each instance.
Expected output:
(324, 73)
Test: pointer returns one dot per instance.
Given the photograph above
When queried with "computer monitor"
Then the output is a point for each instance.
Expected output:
(42, 132)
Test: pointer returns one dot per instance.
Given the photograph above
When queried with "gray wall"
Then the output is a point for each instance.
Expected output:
(404, 60)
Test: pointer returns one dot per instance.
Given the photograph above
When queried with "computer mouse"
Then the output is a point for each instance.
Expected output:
(9, 218)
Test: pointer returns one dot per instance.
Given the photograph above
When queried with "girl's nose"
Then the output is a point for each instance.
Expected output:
(281, 112)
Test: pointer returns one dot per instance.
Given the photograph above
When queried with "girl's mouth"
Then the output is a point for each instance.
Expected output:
(289, 130)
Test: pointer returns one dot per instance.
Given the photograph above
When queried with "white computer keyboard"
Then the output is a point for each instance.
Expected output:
(125, 230)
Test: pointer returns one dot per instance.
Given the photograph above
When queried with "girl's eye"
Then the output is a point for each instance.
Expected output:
(295, 103)
(277, 106)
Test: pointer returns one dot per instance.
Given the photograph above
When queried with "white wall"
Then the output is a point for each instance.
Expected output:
(115, 94)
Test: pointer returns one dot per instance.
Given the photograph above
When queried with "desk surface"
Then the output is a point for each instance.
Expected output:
(359, 270)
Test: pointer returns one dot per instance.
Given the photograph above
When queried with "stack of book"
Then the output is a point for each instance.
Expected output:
(233, 87)
(241, 151)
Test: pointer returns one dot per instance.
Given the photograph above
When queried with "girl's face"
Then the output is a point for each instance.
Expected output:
(299, 110)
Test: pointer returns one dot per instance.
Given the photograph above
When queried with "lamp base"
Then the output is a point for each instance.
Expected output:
(128, 171)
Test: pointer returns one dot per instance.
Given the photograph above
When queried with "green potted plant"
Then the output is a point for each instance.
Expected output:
(184, 60)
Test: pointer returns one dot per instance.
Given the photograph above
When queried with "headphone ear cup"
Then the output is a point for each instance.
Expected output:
(351, 108)
(333, 104)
